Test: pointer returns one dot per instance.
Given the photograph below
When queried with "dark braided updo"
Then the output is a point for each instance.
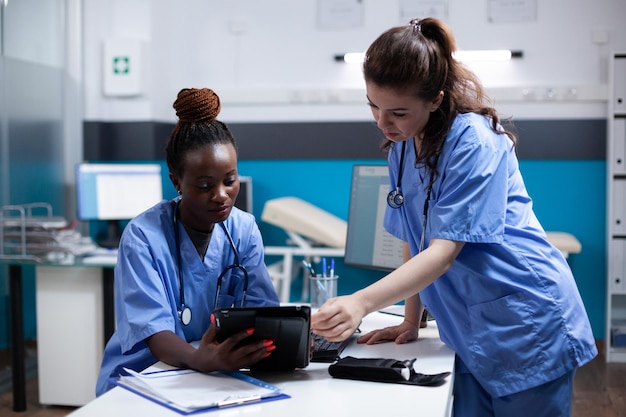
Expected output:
(197, 126)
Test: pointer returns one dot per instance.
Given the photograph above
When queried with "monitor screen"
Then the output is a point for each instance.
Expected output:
(116, 191)
(368, 244)
(244, 199)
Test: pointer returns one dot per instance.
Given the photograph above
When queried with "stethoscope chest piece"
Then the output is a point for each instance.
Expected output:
(395, 198)
(185, 315)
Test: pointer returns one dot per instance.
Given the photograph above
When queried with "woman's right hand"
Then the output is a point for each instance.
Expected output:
(338, 318)
(212, 355)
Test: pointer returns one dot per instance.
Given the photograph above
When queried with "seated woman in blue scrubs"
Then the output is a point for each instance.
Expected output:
(181, 259)
(476, 256)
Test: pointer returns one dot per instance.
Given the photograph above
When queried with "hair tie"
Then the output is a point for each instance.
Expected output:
(417, 27)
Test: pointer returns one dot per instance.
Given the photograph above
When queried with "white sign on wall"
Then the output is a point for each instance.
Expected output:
(121, 67)
(339, 14)
(412, 9)
(508, 11)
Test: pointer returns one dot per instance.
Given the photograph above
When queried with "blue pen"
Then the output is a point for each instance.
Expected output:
(332, 267)
(324, 267)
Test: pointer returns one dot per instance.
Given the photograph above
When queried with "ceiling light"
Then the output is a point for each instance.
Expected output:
(463, 56)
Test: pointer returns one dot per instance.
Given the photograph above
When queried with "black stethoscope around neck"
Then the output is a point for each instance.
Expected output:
(395, 198)
(184, 312)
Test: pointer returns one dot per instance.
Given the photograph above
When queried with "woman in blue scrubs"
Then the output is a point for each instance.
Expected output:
(181, 259)
(476, 256)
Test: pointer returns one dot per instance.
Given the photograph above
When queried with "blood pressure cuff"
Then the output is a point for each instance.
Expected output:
(383, 370)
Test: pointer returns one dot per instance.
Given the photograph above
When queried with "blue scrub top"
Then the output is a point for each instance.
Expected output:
(509, 305)
(147, 283)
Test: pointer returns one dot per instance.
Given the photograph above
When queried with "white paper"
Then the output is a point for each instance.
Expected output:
(507, 11)
(339, 14)
(419, 9)
(190, 390)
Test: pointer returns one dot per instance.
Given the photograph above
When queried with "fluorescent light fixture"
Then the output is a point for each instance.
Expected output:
(463, 56)
(486, 55)
(350, 57)
(354, 57)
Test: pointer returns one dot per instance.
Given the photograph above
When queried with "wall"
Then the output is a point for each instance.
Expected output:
(273, 68)
(278, 56)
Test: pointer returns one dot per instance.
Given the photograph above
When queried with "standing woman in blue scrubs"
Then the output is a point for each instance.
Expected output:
(475, 254)
(181, 259)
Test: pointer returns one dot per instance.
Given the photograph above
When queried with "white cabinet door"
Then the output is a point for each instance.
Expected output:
(70, 335)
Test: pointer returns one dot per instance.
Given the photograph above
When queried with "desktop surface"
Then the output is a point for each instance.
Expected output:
(314, 392)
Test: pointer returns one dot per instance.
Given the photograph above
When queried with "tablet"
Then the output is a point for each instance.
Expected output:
(288, 326)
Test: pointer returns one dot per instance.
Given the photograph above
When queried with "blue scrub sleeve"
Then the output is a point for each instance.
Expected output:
(471, 202)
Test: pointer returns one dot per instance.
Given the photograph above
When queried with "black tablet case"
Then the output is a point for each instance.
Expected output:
(288, 326)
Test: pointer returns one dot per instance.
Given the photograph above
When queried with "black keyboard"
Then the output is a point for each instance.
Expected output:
(327, 351)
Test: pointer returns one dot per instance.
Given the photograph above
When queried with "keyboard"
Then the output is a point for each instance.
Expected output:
(327, 351)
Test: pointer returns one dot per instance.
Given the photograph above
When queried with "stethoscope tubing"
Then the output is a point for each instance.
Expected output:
(395, 198)
(184, 312)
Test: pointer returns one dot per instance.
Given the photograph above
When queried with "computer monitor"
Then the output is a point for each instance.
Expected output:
(368, 244)
(244, 199)
(115, 192)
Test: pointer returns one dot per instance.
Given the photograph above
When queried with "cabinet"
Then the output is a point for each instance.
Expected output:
(70, 337)
(616, 206)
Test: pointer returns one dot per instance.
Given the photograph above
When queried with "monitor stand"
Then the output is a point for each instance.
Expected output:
(111, 239)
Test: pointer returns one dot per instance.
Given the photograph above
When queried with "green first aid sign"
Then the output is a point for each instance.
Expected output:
(121, 65)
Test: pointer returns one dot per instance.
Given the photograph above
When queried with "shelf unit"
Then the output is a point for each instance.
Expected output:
(616, 205)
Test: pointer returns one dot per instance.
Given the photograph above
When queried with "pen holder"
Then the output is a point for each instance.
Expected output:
(322, 288)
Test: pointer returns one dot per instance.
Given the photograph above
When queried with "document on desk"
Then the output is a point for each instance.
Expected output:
(187, 391)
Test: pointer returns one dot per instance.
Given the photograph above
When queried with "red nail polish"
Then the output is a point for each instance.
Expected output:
(250, 330)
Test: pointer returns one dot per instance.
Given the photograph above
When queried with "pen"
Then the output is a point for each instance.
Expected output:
(324, 267)
(309, 267)
(332, 267)
(238, 400)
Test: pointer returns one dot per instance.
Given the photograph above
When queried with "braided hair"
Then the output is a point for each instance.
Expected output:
(197, 126)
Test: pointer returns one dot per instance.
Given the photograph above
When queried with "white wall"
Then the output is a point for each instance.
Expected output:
(269, 61)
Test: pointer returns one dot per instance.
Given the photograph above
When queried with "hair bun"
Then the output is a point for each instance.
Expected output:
(197, 104)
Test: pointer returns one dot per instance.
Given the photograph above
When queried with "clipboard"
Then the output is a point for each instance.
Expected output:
(187, 391)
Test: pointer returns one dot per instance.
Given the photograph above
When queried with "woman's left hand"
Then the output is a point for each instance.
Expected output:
(402, 333)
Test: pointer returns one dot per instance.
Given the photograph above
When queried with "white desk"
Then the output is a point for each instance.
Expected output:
(314, 392)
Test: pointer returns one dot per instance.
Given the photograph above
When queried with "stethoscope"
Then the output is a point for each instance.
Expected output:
(395, 198)
(184, 312)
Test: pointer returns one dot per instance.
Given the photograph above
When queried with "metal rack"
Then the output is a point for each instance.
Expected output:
(30, 231)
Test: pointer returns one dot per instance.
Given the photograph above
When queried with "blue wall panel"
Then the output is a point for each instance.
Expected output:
(568, 196)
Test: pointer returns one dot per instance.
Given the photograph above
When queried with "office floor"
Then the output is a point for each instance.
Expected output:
(599, 391)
